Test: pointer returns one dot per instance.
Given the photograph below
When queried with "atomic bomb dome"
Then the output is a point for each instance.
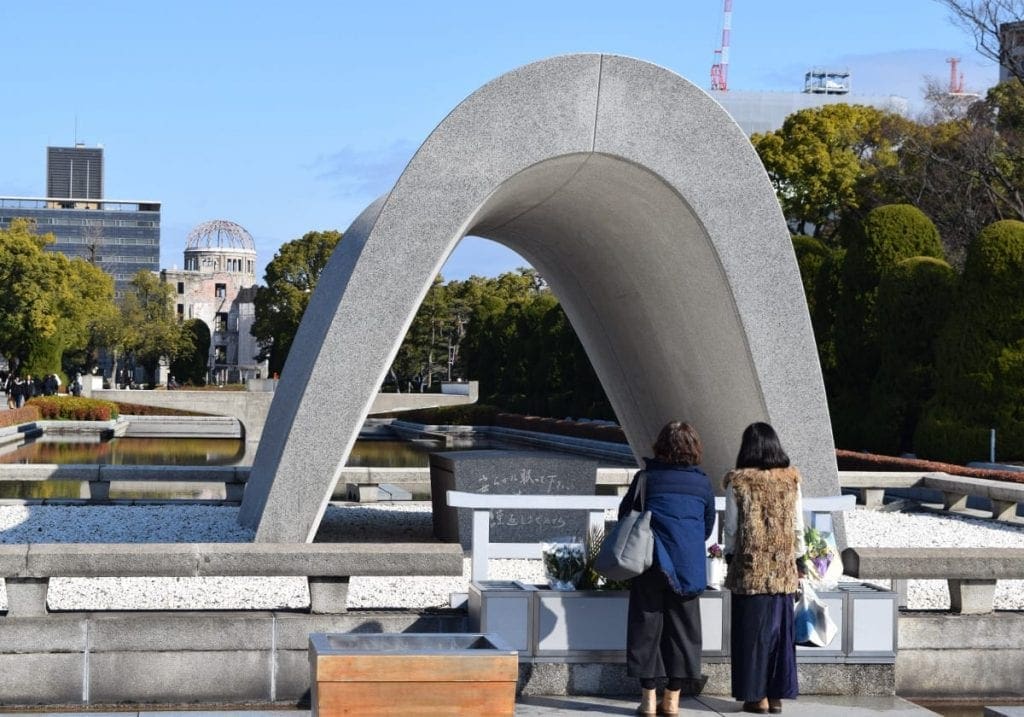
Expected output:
(220, 234)
(217, 287)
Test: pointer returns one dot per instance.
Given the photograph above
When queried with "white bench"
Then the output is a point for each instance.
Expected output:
(818, 513)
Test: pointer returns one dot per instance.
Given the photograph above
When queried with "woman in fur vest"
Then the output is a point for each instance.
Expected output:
(763, 538)
(663, 635)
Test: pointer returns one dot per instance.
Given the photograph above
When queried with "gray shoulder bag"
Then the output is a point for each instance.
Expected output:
(628, 550)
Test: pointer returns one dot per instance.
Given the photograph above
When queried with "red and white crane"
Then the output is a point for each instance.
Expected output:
(956, 83)
(720, 69)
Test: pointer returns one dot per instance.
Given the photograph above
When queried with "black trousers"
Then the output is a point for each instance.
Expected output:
(663, 637)
(763, 650)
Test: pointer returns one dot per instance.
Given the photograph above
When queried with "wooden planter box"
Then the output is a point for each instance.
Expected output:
(412, 674)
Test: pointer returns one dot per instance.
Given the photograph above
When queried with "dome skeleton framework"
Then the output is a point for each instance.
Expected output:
(220, 234)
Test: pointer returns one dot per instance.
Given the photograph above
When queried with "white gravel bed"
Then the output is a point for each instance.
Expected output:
(868, 528)
(405, 522)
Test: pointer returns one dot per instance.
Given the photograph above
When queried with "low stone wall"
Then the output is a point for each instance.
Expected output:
(178, 658)
(960, 656)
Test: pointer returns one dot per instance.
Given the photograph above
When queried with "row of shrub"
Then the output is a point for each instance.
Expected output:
(916, 356)
(69, 408)
(858, 461)
(137, 409)
(486, 415)
(469, 414)
(17, 416)
(562, 427)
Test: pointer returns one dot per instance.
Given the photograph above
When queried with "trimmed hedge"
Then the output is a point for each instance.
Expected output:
(914, 302)
(17, 416)
(811, 255)
(980, 356)
(69, 408)
(887, 235)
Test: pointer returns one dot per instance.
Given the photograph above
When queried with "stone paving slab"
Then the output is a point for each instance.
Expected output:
(1004, 711)
(810, 706)
(561, 706)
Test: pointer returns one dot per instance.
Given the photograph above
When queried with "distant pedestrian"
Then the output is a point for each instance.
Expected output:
(76, 386)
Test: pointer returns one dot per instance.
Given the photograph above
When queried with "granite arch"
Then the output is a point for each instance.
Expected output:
(647, 210)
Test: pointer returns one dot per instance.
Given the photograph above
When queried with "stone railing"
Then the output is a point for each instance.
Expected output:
(818, 513)
(971, 573)
(27, 568)
(1004, 496)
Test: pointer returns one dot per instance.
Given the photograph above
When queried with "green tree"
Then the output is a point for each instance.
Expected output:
(824, 162)
(191, 366)
(290, 279)
(150, 330)
(49, 304)
(980, 356)
(965, 170)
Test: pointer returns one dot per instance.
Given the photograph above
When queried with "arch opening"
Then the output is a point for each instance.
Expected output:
(643, 287)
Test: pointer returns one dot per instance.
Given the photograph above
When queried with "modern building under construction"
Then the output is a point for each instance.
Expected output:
(759, 112)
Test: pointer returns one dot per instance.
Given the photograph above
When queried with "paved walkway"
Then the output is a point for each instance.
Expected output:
(590, 706)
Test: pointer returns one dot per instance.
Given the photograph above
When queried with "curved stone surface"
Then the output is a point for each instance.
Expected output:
(647, 210)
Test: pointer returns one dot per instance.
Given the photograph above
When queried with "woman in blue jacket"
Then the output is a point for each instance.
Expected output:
(664, 634)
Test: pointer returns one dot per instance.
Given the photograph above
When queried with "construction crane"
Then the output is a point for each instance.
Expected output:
(956, 83)
(720, 68)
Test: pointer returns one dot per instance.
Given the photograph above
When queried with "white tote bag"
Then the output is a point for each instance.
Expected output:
(812, 624)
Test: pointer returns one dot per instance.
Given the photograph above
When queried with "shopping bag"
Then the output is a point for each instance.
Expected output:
(813, 627)
(628, 550)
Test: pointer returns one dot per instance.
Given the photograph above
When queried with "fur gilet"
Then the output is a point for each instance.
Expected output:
(764, 559)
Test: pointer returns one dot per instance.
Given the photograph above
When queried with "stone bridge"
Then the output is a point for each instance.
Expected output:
(251, 407)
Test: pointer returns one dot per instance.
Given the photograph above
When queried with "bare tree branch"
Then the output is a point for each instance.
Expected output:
(982, 19)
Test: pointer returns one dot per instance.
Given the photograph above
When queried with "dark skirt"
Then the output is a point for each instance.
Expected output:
(763, 650)
(663, 636)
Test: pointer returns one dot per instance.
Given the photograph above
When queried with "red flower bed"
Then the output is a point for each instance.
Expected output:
(17, 416)
(852, 461)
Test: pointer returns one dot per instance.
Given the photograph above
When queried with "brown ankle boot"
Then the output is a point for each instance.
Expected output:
(648, 702)
(670, 702)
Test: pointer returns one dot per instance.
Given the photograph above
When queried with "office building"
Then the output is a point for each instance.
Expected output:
(122, 237)
(74, 172)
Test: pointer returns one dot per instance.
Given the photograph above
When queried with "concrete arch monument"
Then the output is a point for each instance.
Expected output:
(649, 213)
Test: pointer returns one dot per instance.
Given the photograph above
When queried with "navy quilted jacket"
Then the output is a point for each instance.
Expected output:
(682, 505)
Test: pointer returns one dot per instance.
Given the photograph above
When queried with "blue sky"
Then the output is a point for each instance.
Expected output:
(287, 118)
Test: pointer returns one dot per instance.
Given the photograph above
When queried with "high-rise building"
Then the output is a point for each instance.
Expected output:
(1011, 50)
(74, 172)
(121, 237)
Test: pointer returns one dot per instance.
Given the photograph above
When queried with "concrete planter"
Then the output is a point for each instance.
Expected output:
(574, 626)
(590, 625)
(402, 673)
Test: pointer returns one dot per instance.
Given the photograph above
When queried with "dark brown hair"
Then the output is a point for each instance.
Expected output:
(679, 444)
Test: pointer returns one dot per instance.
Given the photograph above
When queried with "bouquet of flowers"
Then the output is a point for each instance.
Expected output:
(821, 558)
(564, 563)
(715, 566)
